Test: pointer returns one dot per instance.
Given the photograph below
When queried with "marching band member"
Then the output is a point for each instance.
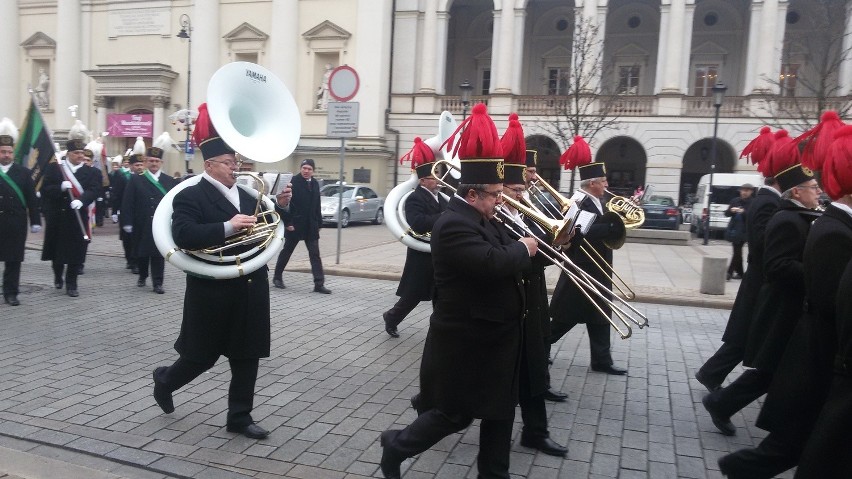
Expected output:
(140, 200)
(227, 317)
(17, 204)
(422, 208)
(569, 306)
(472, 353)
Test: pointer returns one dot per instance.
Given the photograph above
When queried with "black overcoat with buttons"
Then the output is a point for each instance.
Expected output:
(304, 214)
(537, 321)
(471, 358)
(63, 239)
(139, 202)
(421, 212)
(227, 317)
(14, 214)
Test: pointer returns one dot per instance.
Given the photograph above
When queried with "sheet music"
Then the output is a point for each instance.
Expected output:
(584, 221)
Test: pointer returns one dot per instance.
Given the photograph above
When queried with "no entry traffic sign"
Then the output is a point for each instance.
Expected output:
(343, 83)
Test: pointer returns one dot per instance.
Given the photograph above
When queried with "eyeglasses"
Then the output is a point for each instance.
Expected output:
(813, 187)
(519, 190)
(493, 194)
(229, 163)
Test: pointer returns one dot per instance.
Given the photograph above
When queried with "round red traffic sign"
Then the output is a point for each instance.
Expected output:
(343, 83)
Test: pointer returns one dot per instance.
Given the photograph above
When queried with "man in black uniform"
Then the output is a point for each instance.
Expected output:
(569, 306)
(736, 211)
(227, 317)
(140, 200)
(779, 303)
(471, 357)
(422, 208)
(136, 166)
(303, 223)
(67, 191)
(17, 204)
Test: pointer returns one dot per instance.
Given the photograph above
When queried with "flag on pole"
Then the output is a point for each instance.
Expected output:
(34, 148)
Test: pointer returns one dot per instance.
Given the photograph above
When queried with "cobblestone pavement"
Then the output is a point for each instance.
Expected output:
(76, 376)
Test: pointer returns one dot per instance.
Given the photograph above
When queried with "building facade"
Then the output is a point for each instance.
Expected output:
(635, 77)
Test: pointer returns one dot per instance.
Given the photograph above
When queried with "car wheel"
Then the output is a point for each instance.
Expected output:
(380, 217)
(344, 218)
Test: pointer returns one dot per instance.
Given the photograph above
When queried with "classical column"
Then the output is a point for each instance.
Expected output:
(205, 52)
(504, 50)
(283, 47)
(405, 51)
(686, 50)
(100, 105)
(430, 45)
(518, 54)
(672, 56)
(495, 57)
(159, 125)
(10, 90)
(66, 81)
(662, 48)
(441, 53)
(845, 74)
(762, 54)
(372, 48)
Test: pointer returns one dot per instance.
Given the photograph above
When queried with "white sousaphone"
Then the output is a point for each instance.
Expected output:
(255, 114)
(395, 201)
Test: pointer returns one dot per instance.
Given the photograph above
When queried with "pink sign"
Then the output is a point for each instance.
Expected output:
(130, 124)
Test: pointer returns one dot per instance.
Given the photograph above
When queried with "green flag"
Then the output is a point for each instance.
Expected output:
(34, 148)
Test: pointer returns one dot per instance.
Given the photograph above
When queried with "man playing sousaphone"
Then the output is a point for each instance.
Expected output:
(227, 317)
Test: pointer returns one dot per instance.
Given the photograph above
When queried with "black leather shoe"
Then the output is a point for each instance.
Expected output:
(278, 283)
(730, 466)
(80, 272)
(140, 282)
(73, 292)
(322, 289)
(251, 431)
(158, 289)
(417, 405)
(163, 397)
(737, 276)
(555, 396)
(706, 382)
(549, 360)
(11, 300)
(134, 270)
(390, 462)
(722, 423)
(545, 445)
(390, 328)
(728, 276)
(609, 369)
(58, 283)
(128, 266)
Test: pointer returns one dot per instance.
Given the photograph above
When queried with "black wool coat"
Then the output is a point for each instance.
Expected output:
(569, 304)
(14, 214)
(801, 381)
(304, 214)
(827, 452)
(537, 321)
(421, 212)
(118, 183)
(227, 317)
(471, 358)
(63, 239)
(779, 305)
(760, 211)
(140, 201)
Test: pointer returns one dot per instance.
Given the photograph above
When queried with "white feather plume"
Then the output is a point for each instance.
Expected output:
(139, 146)
(8, 128)
(79, 132)
(164, 141)
(96, 147)
(117, 159)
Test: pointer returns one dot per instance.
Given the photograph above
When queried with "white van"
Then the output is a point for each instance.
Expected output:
(726, 186)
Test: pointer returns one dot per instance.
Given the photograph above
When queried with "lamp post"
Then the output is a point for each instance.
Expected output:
(718, 97)
(186, 33)
(466, 89)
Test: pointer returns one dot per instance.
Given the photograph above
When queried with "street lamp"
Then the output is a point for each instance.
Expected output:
(466, 88)
(186, 34)
(718, 97)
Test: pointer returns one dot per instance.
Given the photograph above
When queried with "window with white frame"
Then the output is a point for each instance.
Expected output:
(788, 79)
(557, 81)
(628, 79)
(706, 75)
(485, 81)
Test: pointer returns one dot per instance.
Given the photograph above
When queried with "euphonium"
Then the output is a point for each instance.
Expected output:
(631, 213)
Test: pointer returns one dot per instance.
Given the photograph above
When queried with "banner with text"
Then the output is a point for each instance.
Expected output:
(130, 124)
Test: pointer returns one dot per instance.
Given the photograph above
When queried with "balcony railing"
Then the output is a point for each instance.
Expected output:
(453, 104)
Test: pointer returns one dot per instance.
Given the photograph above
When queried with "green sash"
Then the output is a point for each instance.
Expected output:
(154, 181)
(126, 174)
(14, 187)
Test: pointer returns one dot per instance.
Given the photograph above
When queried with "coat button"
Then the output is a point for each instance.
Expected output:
(249, 281)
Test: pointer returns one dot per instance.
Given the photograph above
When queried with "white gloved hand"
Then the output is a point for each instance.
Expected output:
(76, 204)
(99, 199)
(35, 228)
(38, 194)
(128, 229)
(66, 185)
(114, 218)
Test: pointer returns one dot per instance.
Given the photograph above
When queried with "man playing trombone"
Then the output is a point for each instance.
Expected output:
(569, 305)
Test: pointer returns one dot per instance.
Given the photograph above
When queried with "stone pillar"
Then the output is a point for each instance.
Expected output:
(761, 49)
(66, 81)
(662, 47)
(518, 54)
(204, 57)
(11, 92)
(406, 33)
(845, 74)
(159, 125)
(283, 47)
(100, 105)
(504, 50)
(372, 48)
(673, 48)
(495, 56)
(441, 53)
(686, 51)
(430, 41)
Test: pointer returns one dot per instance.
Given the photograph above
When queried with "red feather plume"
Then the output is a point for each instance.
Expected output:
(578, 154)
(783, 154)
(837, 168)
(513, 143)
(478, 136)
(759, 147)
(818, 140)
(419, 154)
(203, 128)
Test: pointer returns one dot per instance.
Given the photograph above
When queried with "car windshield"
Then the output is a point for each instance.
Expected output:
(660, 200)
(334, 190)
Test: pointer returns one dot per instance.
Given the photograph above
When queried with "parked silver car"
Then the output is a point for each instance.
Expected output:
(360, 203)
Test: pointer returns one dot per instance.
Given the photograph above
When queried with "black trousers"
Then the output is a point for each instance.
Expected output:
(736, 265)
(240, 392)
(533, 411)
(495, 440)
(771, 457)
(721, 363)
(127, 246)
(751, 384)
(400, 310)
(313, 255)
(599, 341)
(11, 278)
(70, 274)
(158, 267)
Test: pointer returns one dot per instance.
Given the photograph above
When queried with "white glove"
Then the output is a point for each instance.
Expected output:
(114, 218)
(128, 229)
(35, 228)
(66, 185)
(38, 194)
(76, 204)
(99, 199)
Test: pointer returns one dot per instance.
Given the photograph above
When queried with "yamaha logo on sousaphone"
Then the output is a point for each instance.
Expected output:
(255, 75)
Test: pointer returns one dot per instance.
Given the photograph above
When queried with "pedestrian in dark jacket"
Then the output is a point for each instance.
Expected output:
(736, 231)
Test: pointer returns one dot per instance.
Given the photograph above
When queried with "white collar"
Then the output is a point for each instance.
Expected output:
(232, 194)
(846, 209)
(435, 195)
(595, 200)
(157, 175)
(74, 168)
(5, 168)
(772, 189)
